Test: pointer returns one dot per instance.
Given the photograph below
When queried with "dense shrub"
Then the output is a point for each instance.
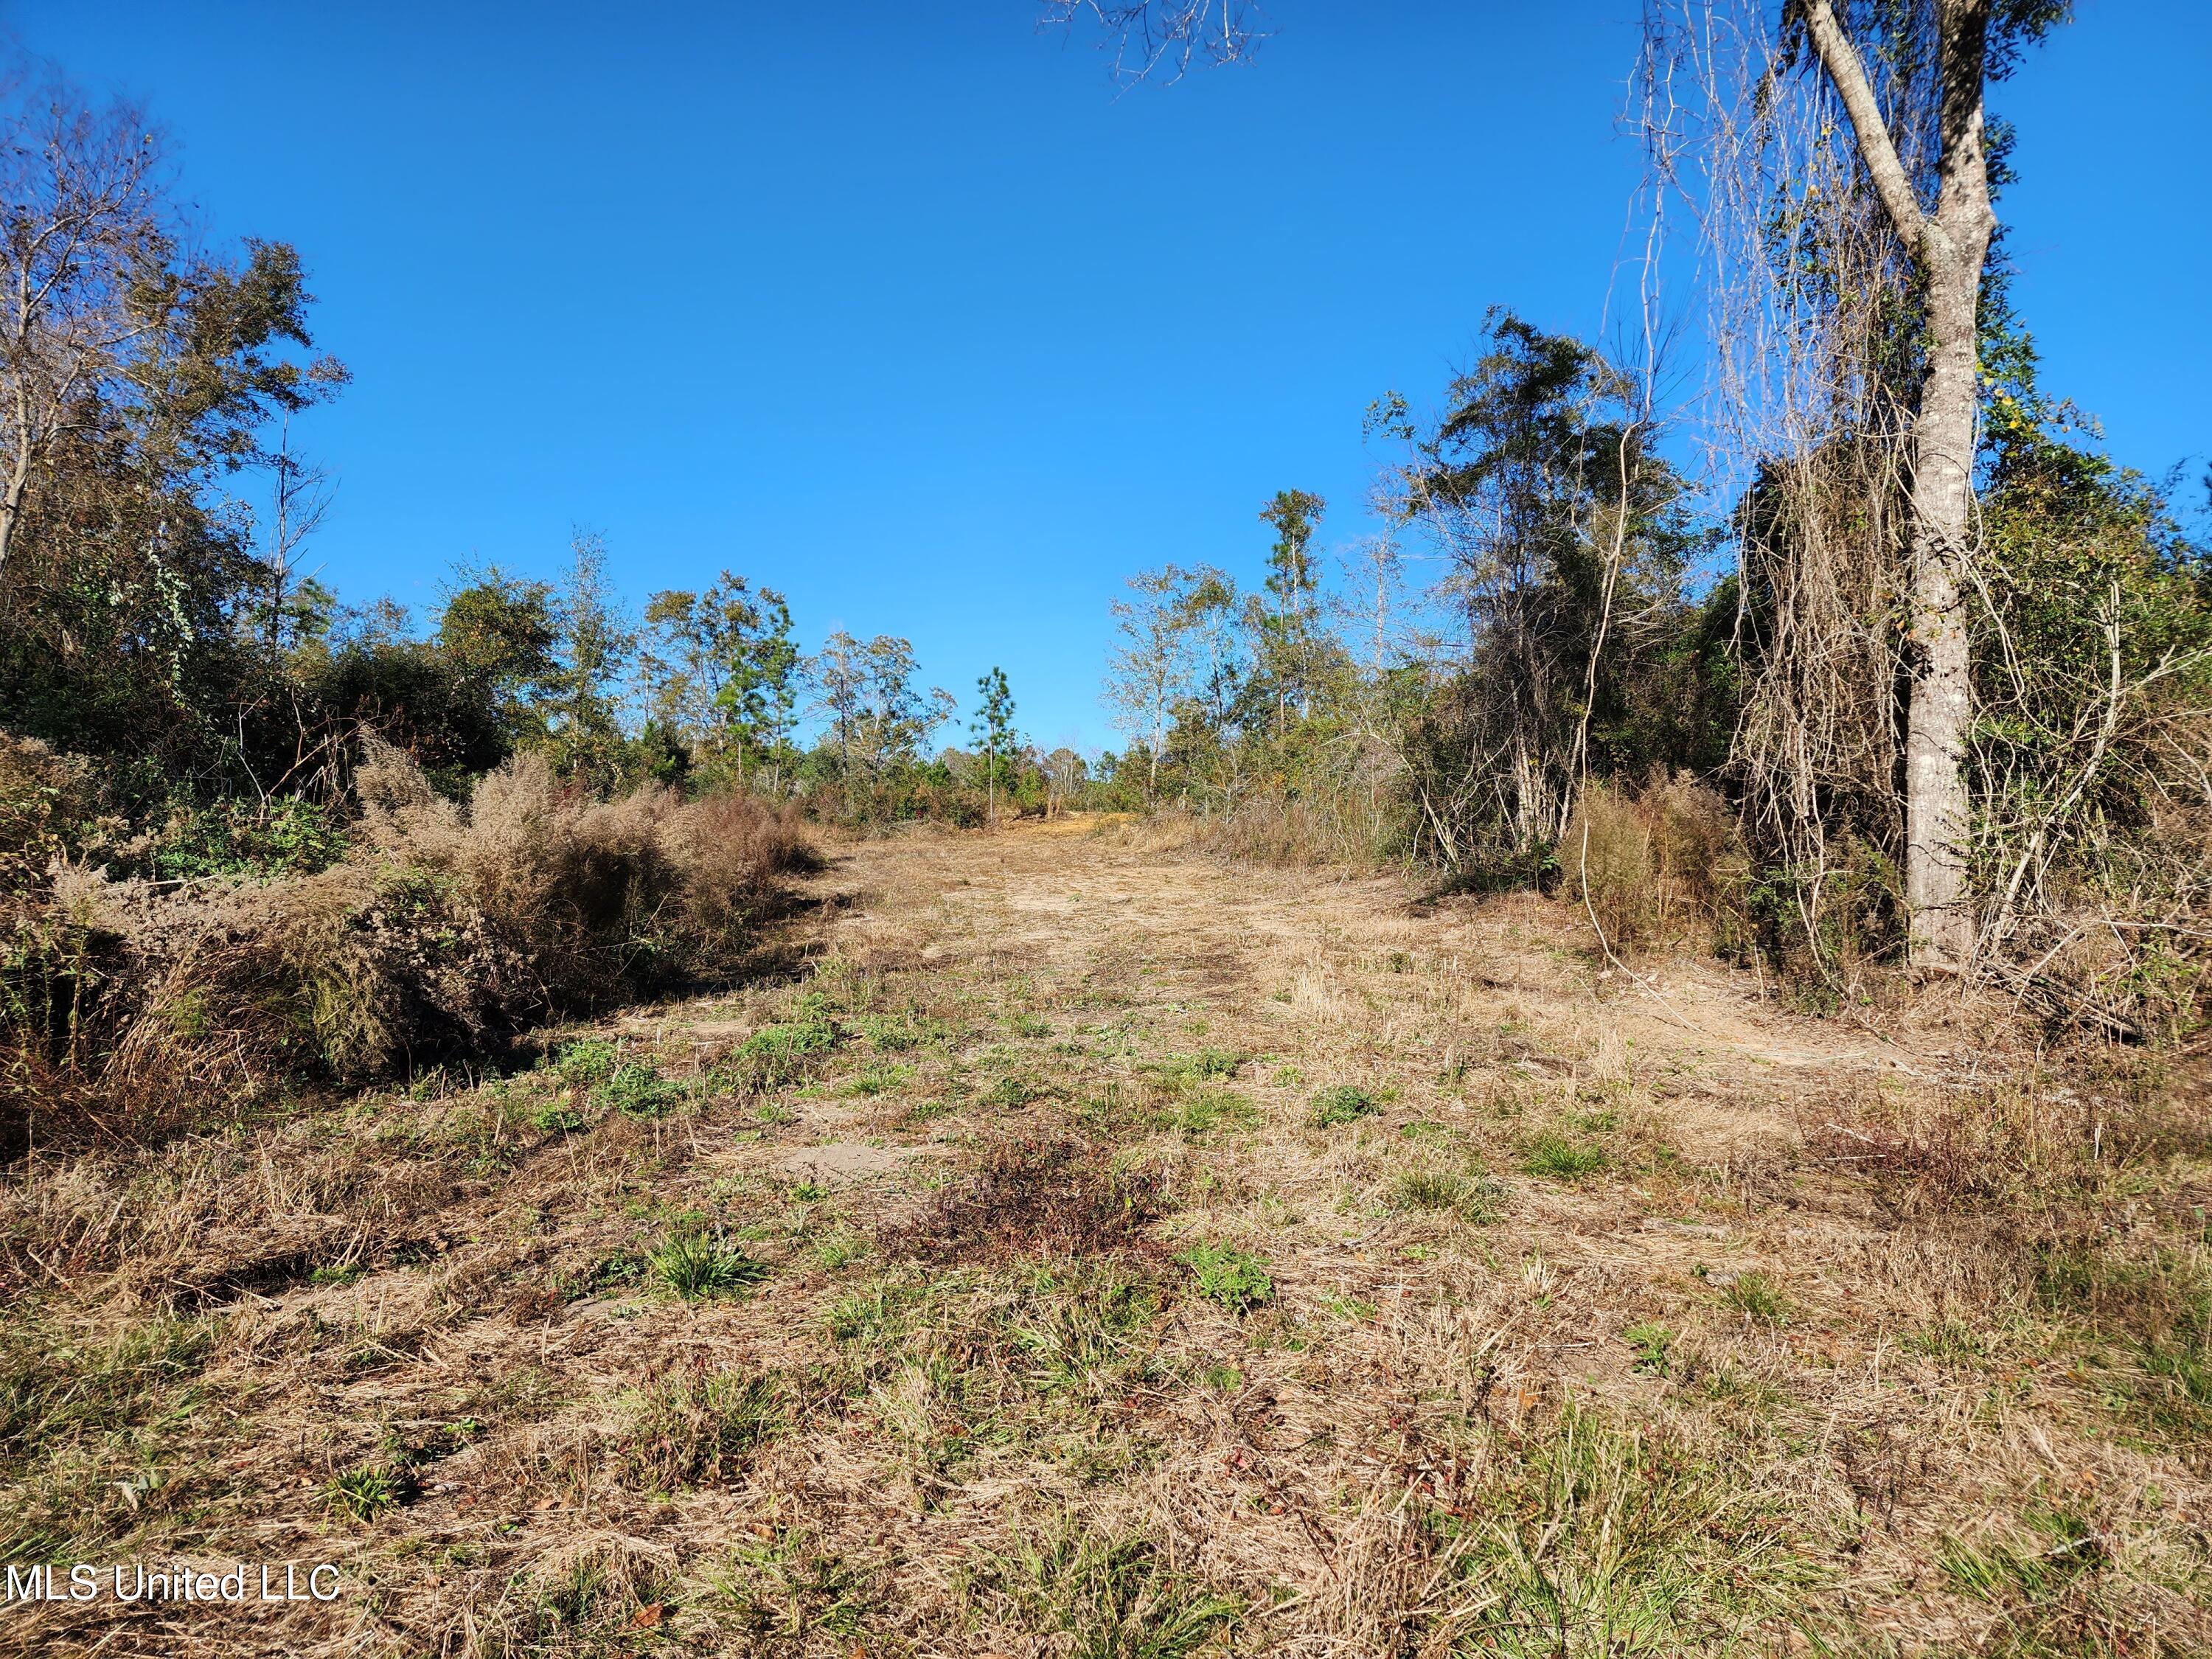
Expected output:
(1655, 868)
(49, 808)
(443, 928)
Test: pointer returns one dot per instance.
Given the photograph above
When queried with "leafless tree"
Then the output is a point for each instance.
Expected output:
(301, 497)
(1153, 658)
(82, 248)
(1835, 202)
(1064, 773)
(1949, 239)
(1167, 38)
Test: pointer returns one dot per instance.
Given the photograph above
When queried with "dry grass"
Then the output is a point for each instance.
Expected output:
(1049, 1200)
(131, 1008)
(1611, 1325)
(1654, 869)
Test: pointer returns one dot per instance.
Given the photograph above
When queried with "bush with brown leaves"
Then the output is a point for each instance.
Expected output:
(444, 929)
(1655, 868)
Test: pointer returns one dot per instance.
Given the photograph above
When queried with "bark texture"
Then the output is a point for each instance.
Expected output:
(1949, 245)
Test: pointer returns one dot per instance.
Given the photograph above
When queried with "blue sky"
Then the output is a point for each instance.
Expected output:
(898, 308)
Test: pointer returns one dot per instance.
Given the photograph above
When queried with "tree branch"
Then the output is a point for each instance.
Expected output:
(1150, 37)
(1849, 76)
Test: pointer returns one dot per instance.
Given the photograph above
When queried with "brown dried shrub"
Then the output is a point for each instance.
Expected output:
(443, 929)
(696, 1427)
(1657, 868)
(1285, 834)
(1031, 1198)
(349, 975)
(49, 806)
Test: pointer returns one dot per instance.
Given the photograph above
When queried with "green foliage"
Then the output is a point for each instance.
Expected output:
(638, 1090)
(788, 1590)
(1543, 480)
(1653, 1344)
(1756, 1297)
(699, 1265)
(1591, 1538)
(777, 1054)
(1012, 1093)
(556, 1117)
(284, 835)
(2093, 659)
(55, 1393)
(1201, 1111)
(364, 1493)
(879, 721)
(497, 634)
(721, 676)
(587, 1061)
(994, 726)
(593, 643)
(1561, 1158)
(1238, 1281)
(1343, 1104)
(1472, 1198)
(1203, 1066)
(1290, 656)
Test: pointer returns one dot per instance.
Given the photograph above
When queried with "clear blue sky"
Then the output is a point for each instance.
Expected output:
(896, 308)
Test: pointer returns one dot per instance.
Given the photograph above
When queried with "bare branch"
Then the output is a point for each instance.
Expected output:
(1164, 38)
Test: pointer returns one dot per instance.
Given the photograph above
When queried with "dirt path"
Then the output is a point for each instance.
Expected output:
(1099, 1248)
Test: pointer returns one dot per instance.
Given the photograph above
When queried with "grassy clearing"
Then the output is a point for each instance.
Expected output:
(1047, 1296)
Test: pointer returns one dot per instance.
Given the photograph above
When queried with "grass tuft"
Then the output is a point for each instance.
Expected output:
(1473, 1199)
(698, 1265)
(693, 1430)
(1238, 1281)
(366, 1492)
(1092, 1596)
(1653, 1344)
(1755, 1296)
(1560, 1157)
(1342, 1104)
(637, 1090)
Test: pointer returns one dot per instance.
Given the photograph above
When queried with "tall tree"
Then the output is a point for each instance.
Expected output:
(879, 718)
(720, 668)
(1941, 212)
(136, 609)
(1286, 629)
(84, 269)
(1568, 541)
(837, 678)
(1151, 665)
(994, 724)
(594, 644)
(760, 698)
(899, 716)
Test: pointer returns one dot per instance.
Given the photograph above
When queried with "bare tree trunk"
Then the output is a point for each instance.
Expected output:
(1949, 248)
(25, 456)
(11, 509)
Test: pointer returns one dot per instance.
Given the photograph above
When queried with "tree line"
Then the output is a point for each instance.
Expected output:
(1936, 669)
(1870, 594)
(160, 615)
